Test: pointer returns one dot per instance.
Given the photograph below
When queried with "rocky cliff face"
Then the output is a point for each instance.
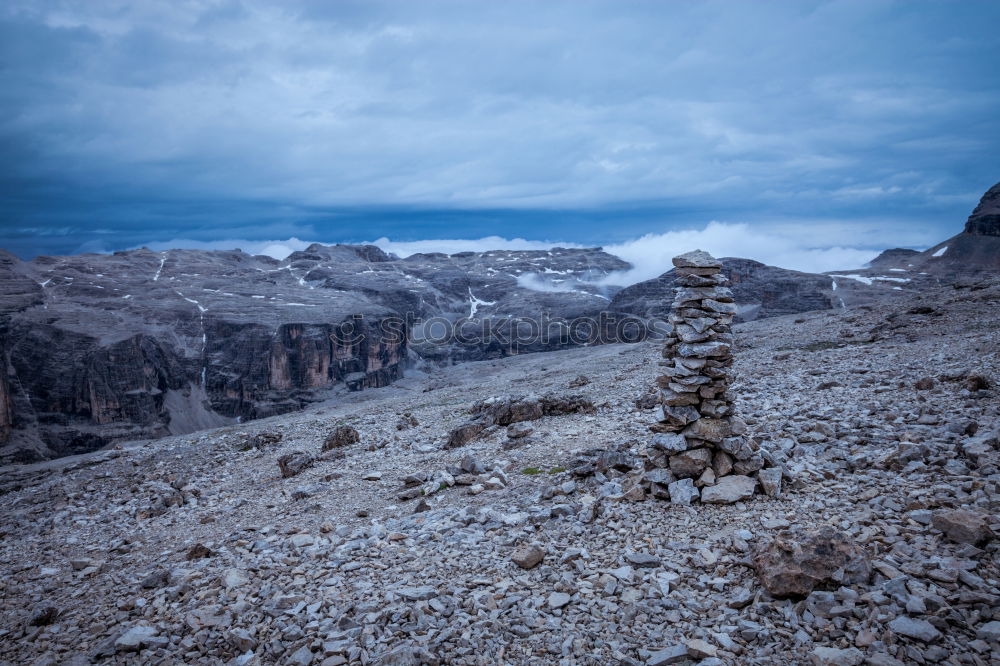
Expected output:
(140, 344)
(760, 291)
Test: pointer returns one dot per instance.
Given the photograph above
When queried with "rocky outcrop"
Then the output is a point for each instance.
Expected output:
(518, 409)
(760, 291)
(985, 219)
(898, 257)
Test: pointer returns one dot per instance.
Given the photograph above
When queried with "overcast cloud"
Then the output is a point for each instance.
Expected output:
(128, 123)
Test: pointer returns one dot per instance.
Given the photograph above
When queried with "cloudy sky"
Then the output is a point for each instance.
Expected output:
(812, 125)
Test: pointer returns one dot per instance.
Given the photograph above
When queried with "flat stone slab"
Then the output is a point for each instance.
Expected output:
(696, 259)
(729, 489)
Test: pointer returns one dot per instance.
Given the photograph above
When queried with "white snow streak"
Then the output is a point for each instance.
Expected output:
(474, 304)
(204, 338)
(859, 278)
(163, 260)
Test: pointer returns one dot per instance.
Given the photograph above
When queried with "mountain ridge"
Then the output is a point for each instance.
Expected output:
(140, 344)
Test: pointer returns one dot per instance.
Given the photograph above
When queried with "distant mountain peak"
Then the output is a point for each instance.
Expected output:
(985, 219)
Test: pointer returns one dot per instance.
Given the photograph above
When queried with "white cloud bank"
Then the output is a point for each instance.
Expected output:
(803, 249)
(806, 247)
(453, 246)
(650, 255)
(279, 249)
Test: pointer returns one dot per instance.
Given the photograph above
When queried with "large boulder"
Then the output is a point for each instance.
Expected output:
(465, 433)
(963, 526)
(341, 436)
(794, 563)
(292, 464)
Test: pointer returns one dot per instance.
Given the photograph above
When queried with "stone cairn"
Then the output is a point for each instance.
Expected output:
(704, 440)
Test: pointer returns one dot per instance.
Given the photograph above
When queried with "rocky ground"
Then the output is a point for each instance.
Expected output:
(549, 541)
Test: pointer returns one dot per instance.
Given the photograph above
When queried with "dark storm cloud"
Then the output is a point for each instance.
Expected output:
(349, 120)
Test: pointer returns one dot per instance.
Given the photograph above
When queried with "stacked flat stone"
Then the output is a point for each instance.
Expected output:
(699, 432)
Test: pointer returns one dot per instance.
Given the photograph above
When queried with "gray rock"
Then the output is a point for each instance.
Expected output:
(740, 598)
(465, 433)
(624, 574)
(770, 481)
(670, 442)
(233, 578)
(828, 656)
(729, 489)
(241, 640)
(738, 447)
(710, 430)
(407, 655)
(989, 632)
(519, 430)
(659, 475)
(642, 560)
(696, 259)
(302, 540)
(690, 464)
(749, 465)
(308, 490)
(704, 349)
(135, 638)
(301, 657)
(558, 600)
(528, 556)
(683, 491)
(674, 654)
(421, 593)
(700, 649)
(720, 307)
(154, 579)
(921, 630)
(762, 291)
